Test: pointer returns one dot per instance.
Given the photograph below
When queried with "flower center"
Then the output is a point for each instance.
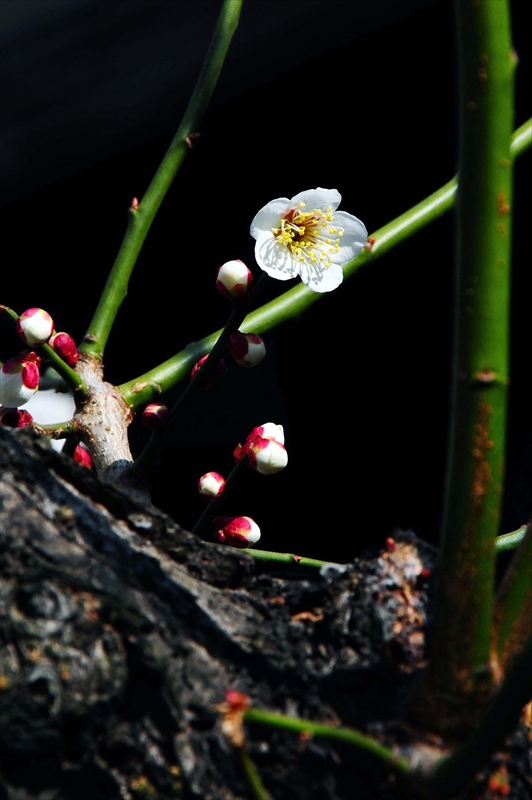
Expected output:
(309, 235)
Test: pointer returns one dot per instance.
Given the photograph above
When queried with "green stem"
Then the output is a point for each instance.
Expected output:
(57, 430)
(453, 773)
(252, 774)
(146, 388)
(513, 607)
(288, 558)
(475, 472)
(318, 729)
(509, 541)
(143, 214)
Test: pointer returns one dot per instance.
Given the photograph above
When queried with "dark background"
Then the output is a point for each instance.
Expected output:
(359, 96)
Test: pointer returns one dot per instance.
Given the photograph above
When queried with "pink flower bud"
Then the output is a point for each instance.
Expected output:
(65, 346)
(216, 376)
(15, 417)
(268, 431)
(266, 455)
(19, 379)
(247, 349)
(35, 326)
(265, 449)
(155, 416)
(82, 456)
(237, 531)
(234, 280)
(211, 485)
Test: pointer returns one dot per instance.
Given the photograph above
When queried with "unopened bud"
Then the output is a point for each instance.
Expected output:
(155, 416)
(237, 531)
(268, 431)
(267, 456)
(19, 379)
(64, 345)
(35, 326)
(211, 485)
(234, 280)
(82, 456)
(247, 349)
(15, 417)
(217, 375)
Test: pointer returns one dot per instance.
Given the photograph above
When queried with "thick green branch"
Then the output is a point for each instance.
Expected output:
(475, 474)
(142, 214)
(148, 387)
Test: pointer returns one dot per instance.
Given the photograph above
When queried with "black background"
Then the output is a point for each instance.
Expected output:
(360, 382)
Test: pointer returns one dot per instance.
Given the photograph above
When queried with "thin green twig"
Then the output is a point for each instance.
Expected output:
(340, 734)
(509, 541)
(142, 214)
(149, 386)
(252, 774)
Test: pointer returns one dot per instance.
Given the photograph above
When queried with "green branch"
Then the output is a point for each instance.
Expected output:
(149, 386)
(460, 661)
(142, 214)
(252, 774)
(318, 729)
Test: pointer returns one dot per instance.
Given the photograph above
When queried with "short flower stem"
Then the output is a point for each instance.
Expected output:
(513, 606)
(252, 774)
(213, 506)
(148, 387)
(143, 214)
(71, 378)
(461, 675)
(317, 729)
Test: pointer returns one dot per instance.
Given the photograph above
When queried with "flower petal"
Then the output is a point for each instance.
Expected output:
(274, 258)
(317, 198)
(353, 239)
(269, 216)
(321, 279)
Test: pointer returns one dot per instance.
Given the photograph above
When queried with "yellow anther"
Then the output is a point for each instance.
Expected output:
(301, 204)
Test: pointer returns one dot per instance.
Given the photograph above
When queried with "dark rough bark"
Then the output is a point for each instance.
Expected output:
(120, 633)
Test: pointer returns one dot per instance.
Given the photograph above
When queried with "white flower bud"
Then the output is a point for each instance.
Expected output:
(211, 485)
(234, 280)
(247, 349)
(268, 431)
(237, 531)
(35, 326)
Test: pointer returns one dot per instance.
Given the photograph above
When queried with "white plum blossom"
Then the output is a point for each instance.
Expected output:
(307, 236)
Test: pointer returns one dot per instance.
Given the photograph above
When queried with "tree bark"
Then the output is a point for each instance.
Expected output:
(121, 633)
